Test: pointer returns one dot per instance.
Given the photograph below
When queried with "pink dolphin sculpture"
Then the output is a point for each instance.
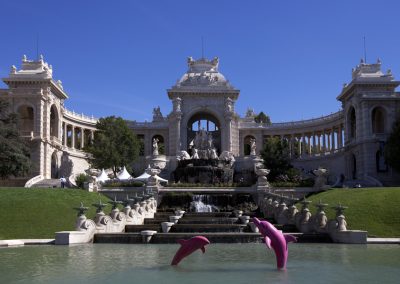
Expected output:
(189, 246)
(275, 239)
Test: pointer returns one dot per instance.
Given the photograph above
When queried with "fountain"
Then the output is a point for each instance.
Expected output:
(204, 165)
(200, 204)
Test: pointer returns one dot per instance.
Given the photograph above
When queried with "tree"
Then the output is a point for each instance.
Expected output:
(392, 148)
(114, 145)
(14, 152)
(262, 118)
(276, 157)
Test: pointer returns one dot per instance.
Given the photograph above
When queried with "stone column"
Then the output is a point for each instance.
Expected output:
(303, 144)
(91, 136)
(228, 134)
(333, 140)
(178, 134)
(65, 134)
(82, 138)
(73, 136)
(340, 139)
(324, 141)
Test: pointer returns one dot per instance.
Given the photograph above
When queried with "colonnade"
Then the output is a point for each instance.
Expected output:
(325, 141)
(76, 137)
(318, 142)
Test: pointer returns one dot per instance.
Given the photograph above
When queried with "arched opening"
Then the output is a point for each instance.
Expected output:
(54, 166)
(25, 120)
(353, 166)
(160, 144)
(203, 134)
(140, 137)
(87, 137)
(78, 138)
(378, 120)
(381, 165)
(54, 129)
(352, 123)
(69, 136)
(248, 140)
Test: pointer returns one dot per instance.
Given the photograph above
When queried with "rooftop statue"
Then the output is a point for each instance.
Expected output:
(157, 115)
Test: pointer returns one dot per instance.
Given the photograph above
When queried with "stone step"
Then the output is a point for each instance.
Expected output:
(211, 220)
(155, 221)
(139, 228)
(206, 228)
(208, 214)
(163, 214)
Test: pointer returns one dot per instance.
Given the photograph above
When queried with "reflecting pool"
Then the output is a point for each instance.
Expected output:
(222, 263)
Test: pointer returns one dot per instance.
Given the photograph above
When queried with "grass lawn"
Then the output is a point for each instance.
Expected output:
(39, 213)
(376, 210)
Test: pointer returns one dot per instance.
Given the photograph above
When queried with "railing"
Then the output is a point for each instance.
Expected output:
(154, 124)
(320, 154)
(323, 119)
(81, 116)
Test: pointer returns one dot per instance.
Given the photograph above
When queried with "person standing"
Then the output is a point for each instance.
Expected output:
(63, 181)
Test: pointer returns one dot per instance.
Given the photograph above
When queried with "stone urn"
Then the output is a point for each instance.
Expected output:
(158, 162)
(262, 176)
(152, 172)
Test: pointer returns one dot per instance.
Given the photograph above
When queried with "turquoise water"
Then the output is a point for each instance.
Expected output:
(222, 263)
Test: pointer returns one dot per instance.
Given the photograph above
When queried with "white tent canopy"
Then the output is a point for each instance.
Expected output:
(124, 175)
(145, 176)
(103, 177)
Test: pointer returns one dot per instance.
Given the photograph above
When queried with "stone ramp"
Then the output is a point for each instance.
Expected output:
(48, 183)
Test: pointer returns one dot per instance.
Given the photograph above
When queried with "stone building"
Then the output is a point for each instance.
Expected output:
(349, 142)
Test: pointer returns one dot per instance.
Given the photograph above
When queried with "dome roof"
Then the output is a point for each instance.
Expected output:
(203, 73)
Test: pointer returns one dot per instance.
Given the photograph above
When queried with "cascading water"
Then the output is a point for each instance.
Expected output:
(201, 203)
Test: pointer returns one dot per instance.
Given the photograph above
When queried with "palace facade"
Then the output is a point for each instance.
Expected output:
(349, 142)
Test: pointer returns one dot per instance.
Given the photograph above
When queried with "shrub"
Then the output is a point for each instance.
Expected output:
(81, 179)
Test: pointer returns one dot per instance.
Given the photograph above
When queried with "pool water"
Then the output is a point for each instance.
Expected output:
(222, 263)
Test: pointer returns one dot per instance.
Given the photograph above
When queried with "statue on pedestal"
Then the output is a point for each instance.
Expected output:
(253, 147)
(155, 146)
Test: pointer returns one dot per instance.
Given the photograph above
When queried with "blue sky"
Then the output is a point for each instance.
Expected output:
(288, 58)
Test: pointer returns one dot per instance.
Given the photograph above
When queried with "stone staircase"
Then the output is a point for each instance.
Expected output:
(48, 183)
(218, 227)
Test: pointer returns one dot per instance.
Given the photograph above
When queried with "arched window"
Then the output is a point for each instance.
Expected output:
(247, 144)
(54, 131)
(160, 143)
(25, 120)
(352, 123)
(378, 120)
